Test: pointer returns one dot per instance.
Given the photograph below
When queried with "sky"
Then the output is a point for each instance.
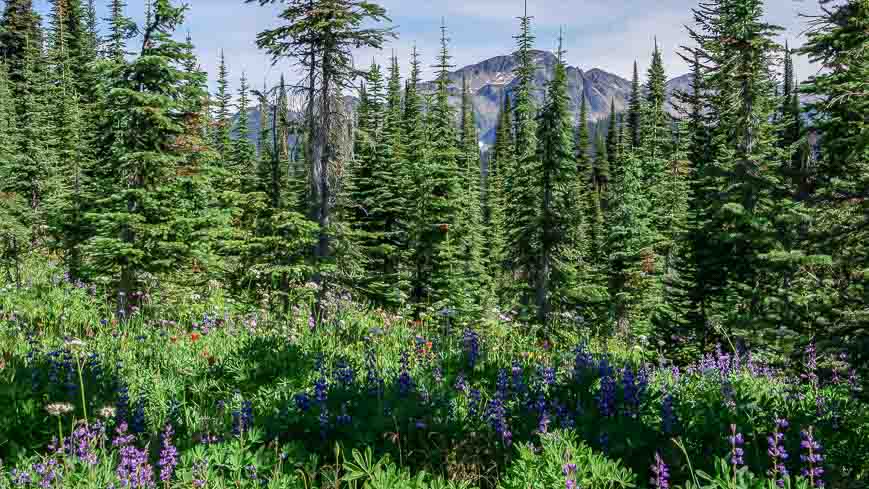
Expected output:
(605, 34)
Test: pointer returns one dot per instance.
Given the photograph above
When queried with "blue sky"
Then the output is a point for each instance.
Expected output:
(606, 34)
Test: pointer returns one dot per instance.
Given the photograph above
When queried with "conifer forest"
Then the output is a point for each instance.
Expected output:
(399, 276)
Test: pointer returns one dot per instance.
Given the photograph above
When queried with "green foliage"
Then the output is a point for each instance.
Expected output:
(544, 467)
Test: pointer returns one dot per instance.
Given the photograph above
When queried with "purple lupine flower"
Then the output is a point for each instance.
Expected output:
(405, 381)
(474, 403)
(246, 416)
(472, 347)
(811, 365)
(569, 469)
(632, 401)
(606, 397)
(660, 473)
(138, 422)
(543, 423)
(21, 478)
(200, 473)
(777, 453)
(47, 473)
(460, 384)
(565, 417)
(736, 452)
(582, 362)
(518, 381)
(168, 455)
(814, 471)
(312, 324)
(321, 389)
(83, 442)
(496, 413)
(344, 374)
(668, 415)
(501, 385)
(133, 470)
(548, 375)
(373, 381)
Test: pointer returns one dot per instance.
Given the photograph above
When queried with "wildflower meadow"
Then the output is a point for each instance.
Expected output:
(192, 392)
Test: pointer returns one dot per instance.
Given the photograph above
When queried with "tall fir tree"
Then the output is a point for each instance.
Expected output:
(612, 142)
(635, 109)
(501, 159)
(443, 237)
(737, 48)
(557, 204)
(16, 216)
(121, 29)
(837, 41)
(656, 103)
(223, 111)
(469, 221)
(243, 149)
(20, 31)
(520, 185)
(141, 223)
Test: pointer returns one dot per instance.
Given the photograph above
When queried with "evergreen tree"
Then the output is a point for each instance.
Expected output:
(612, 142)
(223, 111)
(443, 238)
(520, 181)
(656, 100)
(500, 161)
(629, 243)
(121, 29)
(319, 35)
(16, 217)
(20, 31)
(470, 214)
(837, 41)
(142, 226)
(635, 108)
(601, 165)
(558, 206)
(584, 167)
(737, 49)
(395, 181)
(244, 152)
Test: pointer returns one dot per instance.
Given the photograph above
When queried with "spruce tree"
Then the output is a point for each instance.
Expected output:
(395, 181)
(520, 181)
(443, 238)
(629, 244)
(500, 161)
(558, 204)
(121, 29)
(635, 109)
(20, 31)
(737, 49)
(16, 217)
(601, 165)
(612, 142)
(142, 226)
(470, 214)
(243, 149)
(656, 100)
(223, 111)
(837, 41)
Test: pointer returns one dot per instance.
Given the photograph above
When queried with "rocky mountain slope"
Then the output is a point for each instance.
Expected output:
(492, 79)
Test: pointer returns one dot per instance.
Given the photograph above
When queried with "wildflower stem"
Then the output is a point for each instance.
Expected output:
(81, 390)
